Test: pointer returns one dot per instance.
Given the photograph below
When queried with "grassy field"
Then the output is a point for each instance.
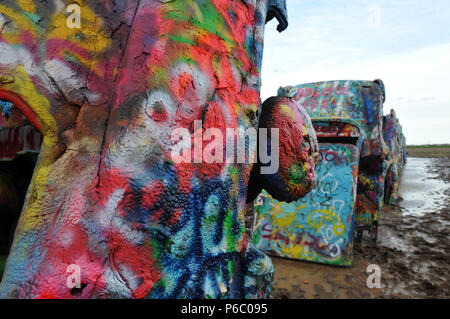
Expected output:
(431, 150)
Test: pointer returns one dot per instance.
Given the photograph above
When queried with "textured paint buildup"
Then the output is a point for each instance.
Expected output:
(318, 227)
(106, 198)
(297, 151)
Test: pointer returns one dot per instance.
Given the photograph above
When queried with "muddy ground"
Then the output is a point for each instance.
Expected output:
(413, 248)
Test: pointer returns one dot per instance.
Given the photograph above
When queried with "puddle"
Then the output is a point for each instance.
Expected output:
(412, 248)
(389, 238)
(421, 191)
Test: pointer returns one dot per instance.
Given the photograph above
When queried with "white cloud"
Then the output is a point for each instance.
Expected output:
(416, 76)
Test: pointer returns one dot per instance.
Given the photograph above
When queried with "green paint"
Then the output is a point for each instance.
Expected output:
(229, 235)
(233, 171)
(159, 77)
(33, 18)
(181, 40)
(68, 56)
(210, 219)
(256, 236)
(210, 19)
(296, 174)
(230, 266)
(188, 61)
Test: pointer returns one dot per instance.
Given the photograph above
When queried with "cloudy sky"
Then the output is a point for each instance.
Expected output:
(404, 43)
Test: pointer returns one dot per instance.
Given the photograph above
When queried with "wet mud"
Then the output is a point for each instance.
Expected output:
(412, 251)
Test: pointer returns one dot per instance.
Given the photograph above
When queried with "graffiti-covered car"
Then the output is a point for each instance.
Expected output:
(348, 119)
(110, 212)
(396, 159)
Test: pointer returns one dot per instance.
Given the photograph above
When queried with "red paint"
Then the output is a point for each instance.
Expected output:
(20, 140)
(23, 107)
(151, 193)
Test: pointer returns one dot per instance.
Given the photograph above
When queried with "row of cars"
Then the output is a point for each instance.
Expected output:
(361, 158)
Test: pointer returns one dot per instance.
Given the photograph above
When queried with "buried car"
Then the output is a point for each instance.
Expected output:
(396, 159)
(108, 213)
(348, 197)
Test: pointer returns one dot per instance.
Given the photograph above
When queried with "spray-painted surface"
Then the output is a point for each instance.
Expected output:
(359, 104)
(336, 129)
(17, 135)
(396, 159)
(106, 195)
(318, 227)
(370, 194)
(298, 152)
(19, 140)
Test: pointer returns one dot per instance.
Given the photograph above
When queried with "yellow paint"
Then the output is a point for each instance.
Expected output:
(92, 40)
(282, 219)
(4, 79)
(288, 111)
(20, 22)
(24, 87)
(305, 166)
(318, 218)
(27, 5)
(304, 130)
(292, 250)
(32, 218)
(366, 181)
(39, 104)
(90, 37)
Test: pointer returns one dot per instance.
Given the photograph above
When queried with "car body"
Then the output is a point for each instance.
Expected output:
(396, 159)
(348, 119)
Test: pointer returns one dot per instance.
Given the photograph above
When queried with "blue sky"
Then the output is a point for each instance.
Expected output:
(404, 43)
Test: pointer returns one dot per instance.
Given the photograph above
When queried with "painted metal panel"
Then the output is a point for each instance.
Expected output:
(370, 197)
(393, 136)
(359, 103)
(318, 227)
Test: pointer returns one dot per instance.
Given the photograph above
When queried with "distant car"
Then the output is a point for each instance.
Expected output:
(396, 159)
(348, 119)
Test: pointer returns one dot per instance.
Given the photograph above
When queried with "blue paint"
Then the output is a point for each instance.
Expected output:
(322, 222)
(5, 108)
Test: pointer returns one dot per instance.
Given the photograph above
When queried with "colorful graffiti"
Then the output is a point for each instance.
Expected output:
(105, 195)
(358, 103)
(370, 194)
(336, 129)
(17, 134)
(396, 159)
(342, 112)
(342, 104)
(318, 227)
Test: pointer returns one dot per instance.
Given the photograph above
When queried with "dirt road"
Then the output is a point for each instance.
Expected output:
(413, 248)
